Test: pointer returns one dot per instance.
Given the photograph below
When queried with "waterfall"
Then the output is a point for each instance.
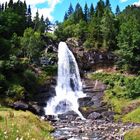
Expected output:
(69, 85)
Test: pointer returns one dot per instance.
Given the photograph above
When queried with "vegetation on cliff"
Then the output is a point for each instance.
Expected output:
(122, 95)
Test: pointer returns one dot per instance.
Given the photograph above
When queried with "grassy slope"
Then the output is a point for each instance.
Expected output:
(19, 125)
(116, 96)
(133, 134)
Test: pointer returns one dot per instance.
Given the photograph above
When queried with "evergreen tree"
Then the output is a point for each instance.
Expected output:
(65, 16)
(86, 12)
(107, 4)
(29, 17)
(2, 7)
(47, 25)
(91, 11)
(100, 9)
(42, 25)
(70, 10)
(128, 43)
(78, 14)
(10, 4)
(117, 10)
(5, 5)
(108, 29)
(36, 21)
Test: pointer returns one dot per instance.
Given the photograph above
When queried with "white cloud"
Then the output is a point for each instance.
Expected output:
(137, 3)
(123, 1)
(46, 12)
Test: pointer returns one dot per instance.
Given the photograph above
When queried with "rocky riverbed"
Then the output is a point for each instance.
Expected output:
(99, 119)
(88, 129)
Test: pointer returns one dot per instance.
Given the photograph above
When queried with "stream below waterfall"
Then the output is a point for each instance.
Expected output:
(90, 129)
(84, 114)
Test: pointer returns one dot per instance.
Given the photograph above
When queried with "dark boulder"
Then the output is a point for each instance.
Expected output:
(36, 109)
(86, 101)
(70, 115)
(19, 105)
(94, 116)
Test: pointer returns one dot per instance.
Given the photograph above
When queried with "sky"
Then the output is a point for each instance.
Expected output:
(55, 9)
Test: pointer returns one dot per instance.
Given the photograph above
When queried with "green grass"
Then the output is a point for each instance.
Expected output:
(133, 116)
(22, 125)
(133, 134)
(122, 95)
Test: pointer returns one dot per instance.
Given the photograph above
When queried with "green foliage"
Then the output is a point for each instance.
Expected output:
(3, 84)
(128, 43)
(50, 70)
(31, 44)
(121, 92)
(119, 85)
(20, 50)
(30, 82)
(132, 134)
(133, 116)
(16, 92)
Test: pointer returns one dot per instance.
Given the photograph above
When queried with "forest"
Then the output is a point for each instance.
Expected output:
(24, 38)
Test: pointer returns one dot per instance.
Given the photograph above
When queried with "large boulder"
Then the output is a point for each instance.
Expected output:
(94, 116)
(19, 105)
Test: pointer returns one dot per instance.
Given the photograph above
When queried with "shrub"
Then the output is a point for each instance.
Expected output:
(16, 92)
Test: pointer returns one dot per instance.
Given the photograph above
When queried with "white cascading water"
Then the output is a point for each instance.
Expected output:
(69, 85)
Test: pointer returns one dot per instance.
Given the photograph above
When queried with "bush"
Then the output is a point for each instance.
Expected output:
(30, 81)
(3, 84)
(16, 92)
(120, 85)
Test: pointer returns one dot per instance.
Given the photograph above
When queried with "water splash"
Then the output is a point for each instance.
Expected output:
(69, 85)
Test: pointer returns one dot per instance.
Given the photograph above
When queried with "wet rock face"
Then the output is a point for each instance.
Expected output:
(92, 58)
(86, 101)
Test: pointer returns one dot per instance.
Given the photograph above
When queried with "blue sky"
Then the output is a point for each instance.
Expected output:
(55, 9)
(62, 6)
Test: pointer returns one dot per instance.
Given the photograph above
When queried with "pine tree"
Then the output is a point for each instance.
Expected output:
(117, 10)
(2, 7)
(86, 12)
(107, 4)
(70, 10)
(91, 11)
(36, 21)
(47, 25)
(65, 16)
(29, 17)
(29, 10)
(108, 35)
(78, 14)
(42, 25)
(10, 4)
(100, 8)
(5, 5)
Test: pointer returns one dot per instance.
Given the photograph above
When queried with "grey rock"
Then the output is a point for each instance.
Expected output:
(94, 116)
